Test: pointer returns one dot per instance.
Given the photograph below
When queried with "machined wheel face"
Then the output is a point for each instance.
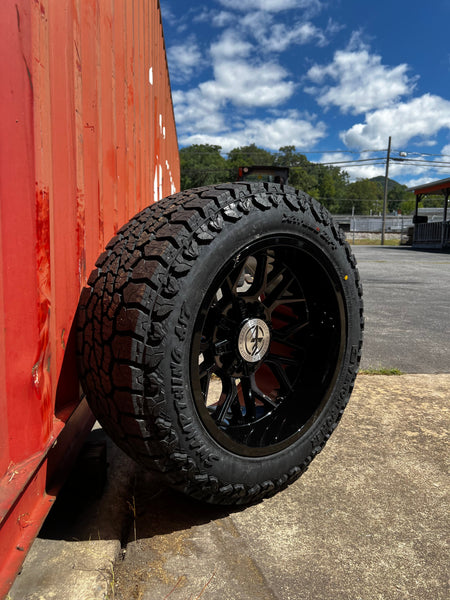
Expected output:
(268, 342)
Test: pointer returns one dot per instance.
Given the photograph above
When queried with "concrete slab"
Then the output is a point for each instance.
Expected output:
(368, 521)
(74, 556)
(61, 570)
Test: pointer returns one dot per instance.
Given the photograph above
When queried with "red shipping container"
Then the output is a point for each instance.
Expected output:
(87, 140)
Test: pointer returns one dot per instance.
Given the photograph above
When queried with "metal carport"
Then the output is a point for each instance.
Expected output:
(436, 234)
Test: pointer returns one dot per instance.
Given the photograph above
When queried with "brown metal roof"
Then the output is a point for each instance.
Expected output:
(438, 187)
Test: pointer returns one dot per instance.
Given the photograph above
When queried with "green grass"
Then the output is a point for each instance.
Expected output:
(382, 371)
(367, 242)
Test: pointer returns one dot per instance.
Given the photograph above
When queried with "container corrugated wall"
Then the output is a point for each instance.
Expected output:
(87, 140)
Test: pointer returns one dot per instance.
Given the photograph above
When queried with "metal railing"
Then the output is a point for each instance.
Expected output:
(435, 234)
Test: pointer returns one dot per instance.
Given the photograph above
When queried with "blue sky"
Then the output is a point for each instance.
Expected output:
(328, 77)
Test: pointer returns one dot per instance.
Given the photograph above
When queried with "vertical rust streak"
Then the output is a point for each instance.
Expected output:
(98, 64)
(133, 87)
(45, 364)
(114, 118)
(79, 141)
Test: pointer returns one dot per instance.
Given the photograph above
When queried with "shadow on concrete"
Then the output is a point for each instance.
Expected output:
(116, 499)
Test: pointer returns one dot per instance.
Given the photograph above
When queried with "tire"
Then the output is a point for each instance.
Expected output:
(220, 336)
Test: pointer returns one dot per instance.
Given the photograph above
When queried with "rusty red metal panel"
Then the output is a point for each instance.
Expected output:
(120, 43)
(87, 139)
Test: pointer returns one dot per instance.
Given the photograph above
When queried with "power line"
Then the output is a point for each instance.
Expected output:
(356, 160)
(377, 163)
(304, 152)
(415, 161)
(419, 153)
(277, 152)
(428, 166)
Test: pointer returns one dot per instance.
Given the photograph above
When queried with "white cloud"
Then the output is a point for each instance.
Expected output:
(226, 141)
(445, 150)
(257, 24)
(287, 131)
(359, 171)
(421, 117)
(167, 14)
(362, 82)
(270, 5)
(365, 172)
(416, 181)
(230, 45)
(400, 171)
(241, 82)
(184, 59)
(247, 76)
(247, 85)
(223, 18)
(281, 36)
(267, 133)
(332, 157)
(196, 112)
(267, 35)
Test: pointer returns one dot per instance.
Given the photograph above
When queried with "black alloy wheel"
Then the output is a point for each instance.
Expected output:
(267, 346)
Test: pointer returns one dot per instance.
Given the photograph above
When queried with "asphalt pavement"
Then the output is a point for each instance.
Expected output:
(367, 521)
(407, 308)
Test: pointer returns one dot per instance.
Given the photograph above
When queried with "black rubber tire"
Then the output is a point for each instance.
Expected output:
(140, 317)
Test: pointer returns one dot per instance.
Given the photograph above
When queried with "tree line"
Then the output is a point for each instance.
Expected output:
(204, 164)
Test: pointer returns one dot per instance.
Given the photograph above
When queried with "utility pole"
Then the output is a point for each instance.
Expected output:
(386, 180)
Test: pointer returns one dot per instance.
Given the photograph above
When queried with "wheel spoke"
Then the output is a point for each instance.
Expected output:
(268, 402)
(231, 283)
(283, 334)
(204, 382)
(278, 295)
(284, 360)
(276, 366)
(206, 369)
(231, 395)
(206, 366)
(250, 407)
(259, 283)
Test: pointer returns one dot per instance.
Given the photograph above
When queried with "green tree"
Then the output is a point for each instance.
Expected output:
(287, 156)
(332, 185)
(436, 201)
(365, 195)
(399, 199)
(247, 156)
(302, 173)
(304, 179)
(202, 164)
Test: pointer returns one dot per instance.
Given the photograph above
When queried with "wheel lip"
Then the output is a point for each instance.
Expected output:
(313, 250)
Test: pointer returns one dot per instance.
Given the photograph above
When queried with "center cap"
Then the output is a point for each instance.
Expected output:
(254, 340)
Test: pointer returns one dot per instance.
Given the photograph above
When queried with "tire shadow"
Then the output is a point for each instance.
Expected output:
(116, 499)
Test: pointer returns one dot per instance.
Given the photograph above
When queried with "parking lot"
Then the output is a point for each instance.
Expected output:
(368, 520)
(407, 308)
